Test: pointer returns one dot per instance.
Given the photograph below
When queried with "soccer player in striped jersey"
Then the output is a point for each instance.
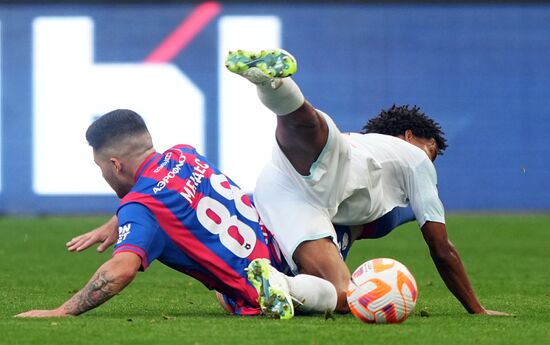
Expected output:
(176, 207)
(319, 177)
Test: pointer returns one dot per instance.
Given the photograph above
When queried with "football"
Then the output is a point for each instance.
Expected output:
(382, 291)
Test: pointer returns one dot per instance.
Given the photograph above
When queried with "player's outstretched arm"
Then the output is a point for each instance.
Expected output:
(106, 235)
(111, 278)
(451, 269)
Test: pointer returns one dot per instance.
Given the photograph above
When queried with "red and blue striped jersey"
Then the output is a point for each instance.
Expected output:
(187, 214)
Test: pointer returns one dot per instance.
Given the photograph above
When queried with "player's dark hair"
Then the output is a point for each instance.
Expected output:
(397, 119)
(114, 126)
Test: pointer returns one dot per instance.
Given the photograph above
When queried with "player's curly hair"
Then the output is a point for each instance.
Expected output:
(397, 119)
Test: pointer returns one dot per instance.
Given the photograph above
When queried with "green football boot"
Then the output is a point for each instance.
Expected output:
(272, 63)
(274, 298)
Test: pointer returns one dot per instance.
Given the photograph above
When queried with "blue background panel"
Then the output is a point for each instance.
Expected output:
(481, 71)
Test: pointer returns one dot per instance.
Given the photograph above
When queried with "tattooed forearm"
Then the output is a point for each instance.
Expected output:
(99, 289)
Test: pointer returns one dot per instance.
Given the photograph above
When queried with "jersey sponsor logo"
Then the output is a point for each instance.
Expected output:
(171, 174)
(164, 162)
(123, 231)
(190, 188)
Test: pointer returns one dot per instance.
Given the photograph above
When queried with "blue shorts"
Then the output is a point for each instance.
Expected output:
(376, 229)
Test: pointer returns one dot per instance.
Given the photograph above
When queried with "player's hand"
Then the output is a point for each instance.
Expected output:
(105, 235)
(496, 313)
(43, 313)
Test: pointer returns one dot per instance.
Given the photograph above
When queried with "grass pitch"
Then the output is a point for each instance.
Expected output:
(507, 258)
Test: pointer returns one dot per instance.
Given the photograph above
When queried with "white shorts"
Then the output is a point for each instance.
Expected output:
(298, 208)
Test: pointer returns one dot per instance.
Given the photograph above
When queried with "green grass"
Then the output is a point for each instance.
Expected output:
(507, 258)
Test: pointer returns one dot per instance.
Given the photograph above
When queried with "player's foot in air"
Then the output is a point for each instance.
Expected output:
(260, 67)
(272, 288)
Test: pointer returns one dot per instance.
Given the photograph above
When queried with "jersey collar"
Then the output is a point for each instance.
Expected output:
(146, 162)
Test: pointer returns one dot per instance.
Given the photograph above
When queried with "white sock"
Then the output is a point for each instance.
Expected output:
(316, 294)
(282, 96)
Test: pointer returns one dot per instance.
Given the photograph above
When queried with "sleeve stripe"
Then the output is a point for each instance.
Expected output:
(136, 250)
(132, 247)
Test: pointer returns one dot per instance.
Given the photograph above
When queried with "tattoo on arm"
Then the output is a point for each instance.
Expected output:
(98, 290)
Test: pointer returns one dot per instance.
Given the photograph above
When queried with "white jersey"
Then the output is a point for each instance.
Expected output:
(357, 179)
(408, 178)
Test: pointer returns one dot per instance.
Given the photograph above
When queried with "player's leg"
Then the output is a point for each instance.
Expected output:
(297, 211)
(301, 132)
(313, 294)
(303, 231)
(321, 258)
(277, 290)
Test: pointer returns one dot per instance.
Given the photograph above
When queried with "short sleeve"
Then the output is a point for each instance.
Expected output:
(423, 195)
(139, 233)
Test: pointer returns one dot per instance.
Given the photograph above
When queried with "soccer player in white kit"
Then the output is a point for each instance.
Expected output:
(319, 176)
